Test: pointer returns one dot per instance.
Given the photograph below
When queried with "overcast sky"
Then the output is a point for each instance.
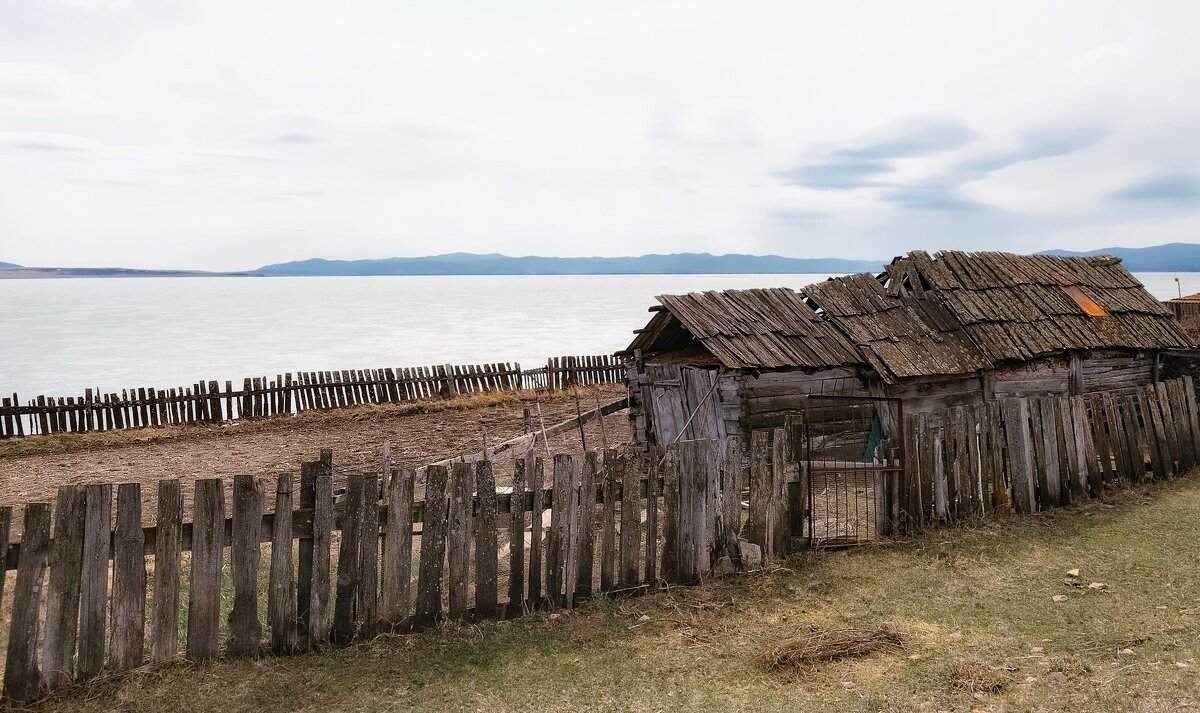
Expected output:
(220, 135)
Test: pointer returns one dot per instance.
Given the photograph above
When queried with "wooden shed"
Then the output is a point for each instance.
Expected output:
(931, 331)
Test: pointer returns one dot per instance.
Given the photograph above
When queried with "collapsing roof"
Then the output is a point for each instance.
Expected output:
(955, 313)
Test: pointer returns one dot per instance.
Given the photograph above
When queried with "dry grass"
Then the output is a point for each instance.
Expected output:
(973, 675)
(806, 651)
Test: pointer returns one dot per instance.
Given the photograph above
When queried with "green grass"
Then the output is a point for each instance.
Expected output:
(975, 604)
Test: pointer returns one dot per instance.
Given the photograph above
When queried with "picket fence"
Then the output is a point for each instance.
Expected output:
(367, 557)
(1032, 454)
(206, 402)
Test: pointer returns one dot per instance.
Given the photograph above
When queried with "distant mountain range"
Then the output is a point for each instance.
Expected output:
(1172, 257)
(495, 264)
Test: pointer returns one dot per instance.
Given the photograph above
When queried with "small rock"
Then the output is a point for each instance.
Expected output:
(1126, 652)
(1037, 650)
(1059, 597)
(552, 617)
(750, 553)
(1072, 573)
(914, 657)
(1181, 664)
(724, 566)
(643, 619)
(1160, 607)
(1031, 679)
(1097, 585)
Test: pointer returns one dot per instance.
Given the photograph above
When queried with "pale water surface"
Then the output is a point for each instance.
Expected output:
(62, 335)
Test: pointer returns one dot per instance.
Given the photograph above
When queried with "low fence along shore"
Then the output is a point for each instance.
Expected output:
(206, 402)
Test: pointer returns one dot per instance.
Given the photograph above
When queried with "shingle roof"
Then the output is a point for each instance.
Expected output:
(954, 313)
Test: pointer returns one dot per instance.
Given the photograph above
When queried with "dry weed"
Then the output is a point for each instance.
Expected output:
(805, 651)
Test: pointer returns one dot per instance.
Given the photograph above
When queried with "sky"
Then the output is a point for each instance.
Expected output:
(228, 135)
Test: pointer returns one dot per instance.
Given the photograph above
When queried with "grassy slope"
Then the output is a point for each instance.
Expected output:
(975, 600)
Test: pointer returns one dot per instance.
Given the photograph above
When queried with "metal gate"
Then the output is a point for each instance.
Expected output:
(851, 452)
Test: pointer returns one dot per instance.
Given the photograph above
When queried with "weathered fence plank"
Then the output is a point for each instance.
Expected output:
(93, 599)
(62, 594)
(349, 561)
(536, 482)
(22, 677)
(433, 547)
(486, 551)
(204, 588)
(281, 586)
(458, 549)
(164, 624)
(516, 541)
(631, 522)
(397, 548)
(245, 628)
(129, 579)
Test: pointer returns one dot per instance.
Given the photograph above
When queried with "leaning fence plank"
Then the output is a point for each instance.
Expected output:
(1016, 425)
(433, 546)
(129, 579)
(587, 527)
(760, 488)
(608, 531)
(486, 554)
(245, 628)
(204, 590)
(1048, 451)
(281, 587)
(319, 622)
(304, 547)
(458, 545)
(1156, 439)
(397, 550)
(556, 535)
(164, 628)
(93, 598)
(22, 679)
(367, 602)
(348, 561)
(536, 482)
(631, 522)
(62, 594)
(516, 542)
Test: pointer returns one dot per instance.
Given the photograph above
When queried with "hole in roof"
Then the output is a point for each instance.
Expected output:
(1085, 303)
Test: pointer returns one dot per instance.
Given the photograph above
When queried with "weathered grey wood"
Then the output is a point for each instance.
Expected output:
(536, 481)
(367, 593)
(319, 623)
(1016, 424)
(349, 561)
(458, 549)
(1117, 439)
(692, 538)
(757, 530)
(669, 467)
(557, 535)
(281, 585)
(778, 521)
(433, 547)
(731, 491)
(631, 522)
(1048, 451)
(1100, 437)
(22, 677)
(1170, 441)
(245, 627)
(5, 527)
(164, 623)
(397, 551)
(204, 588)
(1083, 432)
(62, 594)
(516, 542)
(1189, 397)
(1156, 433)
(653, 487)
(486, 550)
(1072, 454)
(571, 579)
(608, 522)
(129, 579)
(304, 547)
(1133, 436)
(93, 599)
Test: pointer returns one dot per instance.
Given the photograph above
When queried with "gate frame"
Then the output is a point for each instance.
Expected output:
(889, 475)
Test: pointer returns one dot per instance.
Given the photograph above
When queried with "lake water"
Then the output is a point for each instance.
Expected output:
(60, 336)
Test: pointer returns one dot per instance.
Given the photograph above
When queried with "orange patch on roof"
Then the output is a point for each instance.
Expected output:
(1087, 304)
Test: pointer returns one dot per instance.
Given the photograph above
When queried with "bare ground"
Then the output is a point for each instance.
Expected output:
(33, 468)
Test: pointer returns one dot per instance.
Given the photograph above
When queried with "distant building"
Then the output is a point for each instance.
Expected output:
(1187, 311)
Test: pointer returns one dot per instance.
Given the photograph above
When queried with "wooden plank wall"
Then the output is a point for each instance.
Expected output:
(623, 521)
(261, 397)
(1032, 454)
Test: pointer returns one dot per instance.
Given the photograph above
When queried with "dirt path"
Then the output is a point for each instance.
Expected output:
(31, 469)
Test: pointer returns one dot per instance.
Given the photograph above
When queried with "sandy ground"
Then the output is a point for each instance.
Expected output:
(31, 469)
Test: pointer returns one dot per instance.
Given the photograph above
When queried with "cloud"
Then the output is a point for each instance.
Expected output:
(792, 216)
(931, 198)
(841, 174)
(46, 141)
(295, 195)
(916, 136)
(1031, 146)
(1165, 188)
(294, 137)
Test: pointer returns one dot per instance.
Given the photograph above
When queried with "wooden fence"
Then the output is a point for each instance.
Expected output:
(259, 397)
(387, 554)
(1032, 454)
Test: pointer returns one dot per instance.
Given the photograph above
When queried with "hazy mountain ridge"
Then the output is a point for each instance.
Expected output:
(495, 264)
(1171, 257)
